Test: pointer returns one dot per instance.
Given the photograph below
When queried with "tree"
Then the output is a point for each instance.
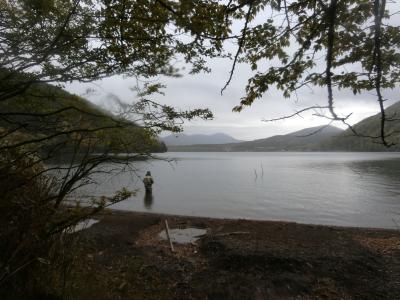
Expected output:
(49, 41)
(84, 41)
(358, 40)
(54, 41)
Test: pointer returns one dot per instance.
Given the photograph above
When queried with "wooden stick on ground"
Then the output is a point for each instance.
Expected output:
(232, 233)
(169, 238)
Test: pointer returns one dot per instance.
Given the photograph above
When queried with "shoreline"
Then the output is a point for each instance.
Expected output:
(167, 215)
(234, 259)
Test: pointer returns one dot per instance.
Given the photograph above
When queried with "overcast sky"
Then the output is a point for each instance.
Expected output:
(203, 91)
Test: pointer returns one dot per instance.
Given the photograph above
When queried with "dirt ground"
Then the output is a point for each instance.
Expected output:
(124, 258)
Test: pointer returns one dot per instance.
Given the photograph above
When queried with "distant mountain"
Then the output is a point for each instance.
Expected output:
(347, 141)
(199, 139)
(319, 138)
(308, 139)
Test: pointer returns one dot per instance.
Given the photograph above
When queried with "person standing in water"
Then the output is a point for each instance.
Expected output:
(148, 182)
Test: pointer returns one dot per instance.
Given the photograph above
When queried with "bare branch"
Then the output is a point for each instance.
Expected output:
(379, 10)
(331, 18)
(297, 113)
(241, 43)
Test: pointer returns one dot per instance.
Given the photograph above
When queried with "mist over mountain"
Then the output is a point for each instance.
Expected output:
(199, 139)
(309, 139)
(74, 113)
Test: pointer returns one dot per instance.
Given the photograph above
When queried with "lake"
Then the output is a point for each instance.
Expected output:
(349, 189)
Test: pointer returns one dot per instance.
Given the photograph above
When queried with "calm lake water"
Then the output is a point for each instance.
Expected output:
(350, 189)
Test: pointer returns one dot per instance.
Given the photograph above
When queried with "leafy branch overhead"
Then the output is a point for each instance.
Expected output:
(338, 44)
(63, 41)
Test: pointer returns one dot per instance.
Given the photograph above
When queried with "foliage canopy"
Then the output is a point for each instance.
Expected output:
(337, 44)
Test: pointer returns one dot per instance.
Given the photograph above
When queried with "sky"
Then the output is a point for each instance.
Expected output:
(204, 91)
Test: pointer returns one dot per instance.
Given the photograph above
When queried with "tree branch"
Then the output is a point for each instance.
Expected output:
(241, 43)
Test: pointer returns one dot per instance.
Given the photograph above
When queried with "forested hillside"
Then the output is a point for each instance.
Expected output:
(54, 116)
(367, 129)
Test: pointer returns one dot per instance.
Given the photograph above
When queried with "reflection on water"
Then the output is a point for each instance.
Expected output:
(389, 169)
(354, 189)
(148, 200)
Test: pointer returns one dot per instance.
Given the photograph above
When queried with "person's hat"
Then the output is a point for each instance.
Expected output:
(148, 173)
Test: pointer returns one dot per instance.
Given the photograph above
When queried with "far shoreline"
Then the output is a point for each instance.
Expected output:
(132, 213)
